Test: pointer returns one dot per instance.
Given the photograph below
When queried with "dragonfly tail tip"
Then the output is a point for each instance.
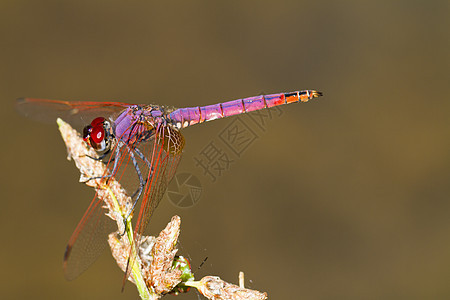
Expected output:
(316, 94)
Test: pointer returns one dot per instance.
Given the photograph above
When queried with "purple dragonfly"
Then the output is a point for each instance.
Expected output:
(145, 136)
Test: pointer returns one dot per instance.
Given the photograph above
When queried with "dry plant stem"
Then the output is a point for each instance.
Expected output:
(153, 271)
(212, 287)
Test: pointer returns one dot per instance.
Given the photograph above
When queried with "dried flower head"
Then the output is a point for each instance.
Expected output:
(212, 287)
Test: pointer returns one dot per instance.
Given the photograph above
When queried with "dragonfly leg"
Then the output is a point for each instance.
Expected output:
(101, 157)
(96, 177)
(138, 191)
(142, 182)
(141, 156)
(116, 159)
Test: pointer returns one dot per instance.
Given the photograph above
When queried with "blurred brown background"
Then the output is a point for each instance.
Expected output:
(346, 197)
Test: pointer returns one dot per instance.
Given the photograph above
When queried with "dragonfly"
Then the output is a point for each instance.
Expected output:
(144, 136)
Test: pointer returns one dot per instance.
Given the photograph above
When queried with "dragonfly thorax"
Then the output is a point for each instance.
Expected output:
(138, 123)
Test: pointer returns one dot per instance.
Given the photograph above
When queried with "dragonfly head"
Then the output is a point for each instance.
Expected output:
(98, 134)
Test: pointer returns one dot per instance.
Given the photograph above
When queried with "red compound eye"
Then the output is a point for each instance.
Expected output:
(97, 134)
(94, 133)
(98, 122)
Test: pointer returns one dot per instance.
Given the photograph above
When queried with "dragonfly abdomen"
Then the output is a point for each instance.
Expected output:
(184, 117)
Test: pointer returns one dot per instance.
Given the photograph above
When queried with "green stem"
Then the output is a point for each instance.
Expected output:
(144, 292)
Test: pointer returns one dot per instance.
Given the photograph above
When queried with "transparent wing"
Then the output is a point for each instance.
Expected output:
(74, 112)
(88, 240)
(164, 153)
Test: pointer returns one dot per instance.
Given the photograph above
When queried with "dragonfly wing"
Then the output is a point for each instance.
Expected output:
(74, 112)
(88, 240)
(164, 153)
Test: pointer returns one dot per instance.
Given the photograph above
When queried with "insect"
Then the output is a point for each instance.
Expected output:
(145, 136)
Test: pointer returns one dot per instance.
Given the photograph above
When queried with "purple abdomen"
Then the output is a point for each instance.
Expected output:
(184, 117)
